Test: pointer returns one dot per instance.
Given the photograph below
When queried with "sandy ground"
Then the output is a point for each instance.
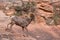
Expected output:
(37, 31)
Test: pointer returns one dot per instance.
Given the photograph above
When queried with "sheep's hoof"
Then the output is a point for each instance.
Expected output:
(25, 35)
(7, 30)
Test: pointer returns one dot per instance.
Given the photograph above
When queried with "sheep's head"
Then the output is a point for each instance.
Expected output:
(32, 17)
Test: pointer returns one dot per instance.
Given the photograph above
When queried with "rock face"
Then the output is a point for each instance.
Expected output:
(49, 8)
(38, 30)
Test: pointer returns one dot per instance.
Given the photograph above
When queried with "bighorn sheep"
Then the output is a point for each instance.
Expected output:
(22, 22)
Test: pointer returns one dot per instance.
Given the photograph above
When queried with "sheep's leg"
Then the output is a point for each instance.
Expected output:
(23, 31)
(7, 27)
(10, 28)
(26, 31)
